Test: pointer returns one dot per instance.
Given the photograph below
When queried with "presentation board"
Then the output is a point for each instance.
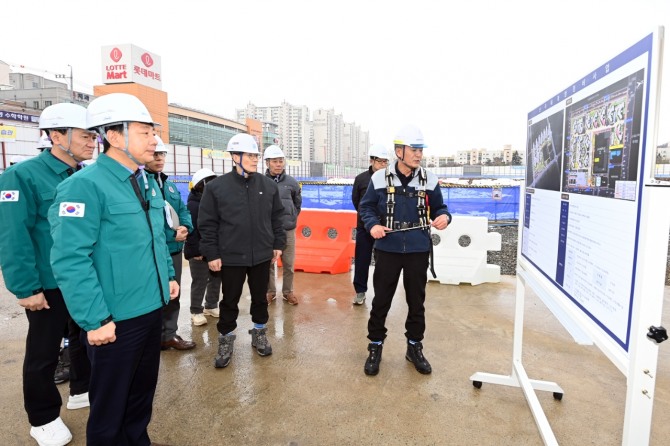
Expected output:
(580, 228)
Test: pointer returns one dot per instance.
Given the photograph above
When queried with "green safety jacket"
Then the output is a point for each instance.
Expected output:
(172, 196)
(27, 191)
(109, 254)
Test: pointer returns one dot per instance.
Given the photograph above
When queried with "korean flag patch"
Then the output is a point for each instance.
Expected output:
(72, 209)
(9, 195)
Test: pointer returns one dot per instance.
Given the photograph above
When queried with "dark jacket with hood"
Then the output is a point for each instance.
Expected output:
(291, 198)
(361, 183)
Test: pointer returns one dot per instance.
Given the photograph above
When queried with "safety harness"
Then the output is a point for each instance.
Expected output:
(421, 206)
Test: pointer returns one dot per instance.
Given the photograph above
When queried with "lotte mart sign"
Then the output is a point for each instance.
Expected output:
(130, 63)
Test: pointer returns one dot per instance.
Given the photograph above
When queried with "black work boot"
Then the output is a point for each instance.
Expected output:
(375, 357)
(225, 352)
(415, 356)
(62, 373)
(259, 341)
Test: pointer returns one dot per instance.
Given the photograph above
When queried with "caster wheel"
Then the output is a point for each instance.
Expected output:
(558, 396)
(477, 384)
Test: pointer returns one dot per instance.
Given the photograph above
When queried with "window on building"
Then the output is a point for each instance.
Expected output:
(36, 104)
(35, 85)
(47, 104)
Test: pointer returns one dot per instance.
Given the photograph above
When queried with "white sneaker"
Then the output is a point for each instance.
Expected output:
(214, 312)
(198, 319)
(55, 433)
(78, 401)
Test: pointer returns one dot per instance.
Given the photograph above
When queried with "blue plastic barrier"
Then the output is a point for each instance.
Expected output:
(471, 201)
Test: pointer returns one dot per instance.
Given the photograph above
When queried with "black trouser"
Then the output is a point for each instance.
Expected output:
(41, 397)
(80, 366)
(203, 282)
(171, 310)
(363, 256)
(388, 265)
(232, 278)
(124, 374)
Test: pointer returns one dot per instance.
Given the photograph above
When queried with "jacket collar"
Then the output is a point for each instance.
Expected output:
(56, 165)
(157, 175)
(117, 169)
(278, 178)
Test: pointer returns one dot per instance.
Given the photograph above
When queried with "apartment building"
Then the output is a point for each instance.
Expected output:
(292, 126)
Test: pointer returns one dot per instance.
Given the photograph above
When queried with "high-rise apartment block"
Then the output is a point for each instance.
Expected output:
(326, 138)
(292, 122)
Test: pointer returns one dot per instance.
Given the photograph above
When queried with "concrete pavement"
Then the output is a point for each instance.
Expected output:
(312, 390)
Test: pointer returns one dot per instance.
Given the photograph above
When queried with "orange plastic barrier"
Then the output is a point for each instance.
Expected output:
(325, 241)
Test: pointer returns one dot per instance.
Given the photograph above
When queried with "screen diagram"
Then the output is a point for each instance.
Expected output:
(602, 141)
(543, 166)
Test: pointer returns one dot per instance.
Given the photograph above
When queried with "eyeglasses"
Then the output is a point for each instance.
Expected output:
(381, 161)
(159, 155)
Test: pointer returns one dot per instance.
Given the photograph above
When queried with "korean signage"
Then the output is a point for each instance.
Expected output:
(19, 117)
(130, 63)
(7, 133)
(215, 154)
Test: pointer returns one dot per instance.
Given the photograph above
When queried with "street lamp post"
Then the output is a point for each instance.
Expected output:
(63, 76)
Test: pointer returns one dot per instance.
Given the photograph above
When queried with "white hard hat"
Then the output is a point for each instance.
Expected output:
(160, 147)
(378, 151)
(273, 151)
(201, 174)
(411, 136)
(44, 142)
(63, 116)
(242, 142)
(116, 108)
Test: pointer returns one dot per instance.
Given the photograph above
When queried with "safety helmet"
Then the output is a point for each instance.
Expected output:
(44, 142)
(411, 136)
(201, 174)
(116, 108)
(62, 116)
(378, 151)
(242, 142)
(160, 147)
(273, 151)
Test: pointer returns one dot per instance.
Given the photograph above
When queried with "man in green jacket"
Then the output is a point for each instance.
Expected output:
(28, 189)
(111, 260)
(177, 227)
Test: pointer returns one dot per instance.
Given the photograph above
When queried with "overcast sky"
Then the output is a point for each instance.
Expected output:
(466, 72)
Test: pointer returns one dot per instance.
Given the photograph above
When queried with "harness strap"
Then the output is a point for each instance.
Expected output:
(420, 193)
(390, 198)
(421, 202)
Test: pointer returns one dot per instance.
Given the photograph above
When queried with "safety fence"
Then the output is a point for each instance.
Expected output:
(495, 203)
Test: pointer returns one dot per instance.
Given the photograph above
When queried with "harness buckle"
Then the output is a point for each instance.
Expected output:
(390, 190)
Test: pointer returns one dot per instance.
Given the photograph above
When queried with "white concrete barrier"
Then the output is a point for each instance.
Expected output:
(455, 264)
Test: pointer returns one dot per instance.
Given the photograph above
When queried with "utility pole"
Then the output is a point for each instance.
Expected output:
(63, 76)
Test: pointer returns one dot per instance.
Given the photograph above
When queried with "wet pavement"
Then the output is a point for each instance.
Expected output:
(312, 390)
